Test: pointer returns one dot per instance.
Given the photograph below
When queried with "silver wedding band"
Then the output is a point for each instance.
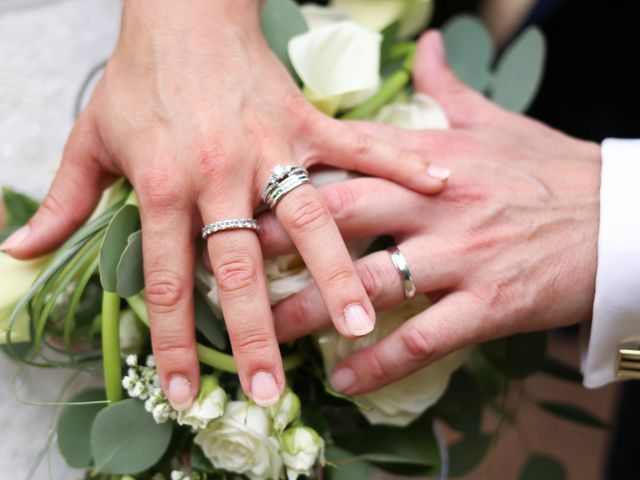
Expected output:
(221, 226)
(282, 180)
(400, 262)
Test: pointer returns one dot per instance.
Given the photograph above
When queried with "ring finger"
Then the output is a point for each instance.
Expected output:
(305, 312)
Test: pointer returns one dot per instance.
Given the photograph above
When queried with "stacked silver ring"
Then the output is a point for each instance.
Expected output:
(282, 180)
(221, 226)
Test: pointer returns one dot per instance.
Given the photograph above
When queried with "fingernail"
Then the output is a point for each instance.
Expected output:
(438, 172)
(180, 393)
(343, 379)
(357, 320)
(264, 389)
(16, 239)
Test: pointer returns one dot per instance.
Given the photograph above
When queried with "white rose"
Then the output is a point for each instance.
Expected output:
(419, 113)
(242, 441)
(318, 16)
(207, 407)
(286, 411)
(16, 277)
(402, 402)
(339, 64)
(301, 447)
(413, 15)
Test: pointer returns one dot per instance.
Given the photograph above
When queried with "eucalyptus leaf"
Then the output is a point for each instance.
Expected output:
(280, 21)
(125, 222)
(573, 413)
(389, 35)
(517, 356)
(560, 370)
(18, 207)
(129, 272)
(199, 460)
(126, 439)
(346, 466)
(540, 466)
(467, 453)
(519, 71)
(74, 428)
(208, 323)
(462, 404)
(470, 50)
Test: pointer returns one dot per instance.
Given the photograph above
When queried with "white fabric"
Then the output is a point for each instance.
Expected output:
(616, 309)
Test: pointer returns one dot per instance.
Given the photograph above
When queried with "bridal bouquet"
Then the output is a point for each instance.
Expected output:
(83, 307)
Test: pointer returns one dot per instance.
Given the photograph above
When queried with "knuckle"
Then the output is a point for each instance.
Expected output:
(338, 274)
(308, 214)
(417, 344)
(54, 205)
(165, 290)
(252, 342)
(159, 192)
(340, 201)
(377, 367)
(362, 145)
(169, 345)
(235, 274)
(212, 160)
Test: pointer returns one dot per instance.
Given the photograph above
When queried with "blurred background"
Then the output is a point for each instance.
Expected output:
(590, 90)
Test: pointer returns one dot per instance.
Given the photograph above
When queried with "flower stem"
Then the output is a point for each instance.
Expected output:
(111, 346)
(393, 85)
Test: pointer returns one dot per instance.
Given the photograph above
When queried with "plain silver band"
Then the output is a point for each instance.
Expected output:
(400, 262)
(275, 191)
(221, 226)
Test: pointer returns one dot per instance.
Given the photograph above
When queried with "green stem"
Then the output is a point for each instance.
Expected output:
(111, 345)
(393, 85)
(207, 355)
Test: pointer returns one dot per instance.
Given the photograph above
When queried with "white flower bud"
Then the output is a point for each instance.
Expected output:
(286, 411)
(132, 360)
(301, 448)
(208, 406)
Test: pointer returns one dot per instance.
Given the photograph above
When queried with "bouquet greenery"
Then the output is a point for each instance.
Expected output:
(83, 307)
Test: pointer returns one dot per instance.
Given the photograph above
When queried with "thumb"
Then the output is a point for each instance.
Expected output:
(432, 76)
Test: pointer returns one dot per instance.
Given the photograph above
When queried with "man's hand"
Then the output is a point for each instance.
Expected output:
(510, 246)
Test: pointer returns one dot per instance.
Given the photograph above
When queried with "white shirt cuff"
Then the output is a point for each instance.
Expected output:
(616, 308)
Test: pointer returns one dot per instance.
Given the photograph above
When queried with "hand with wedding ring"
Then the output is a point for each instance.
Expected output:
(509, 246)
(197, 112)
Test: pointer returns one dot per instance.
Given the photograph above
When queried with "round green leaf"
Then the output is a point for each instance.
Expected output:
(207, 322)
(124, 223)
(346, 466)
(517, 356)
(542, 467)
(461, 405)
(280, 21)
(126, 439)
(519, 71)
(470, 50)
(129, 273)
(74, 428)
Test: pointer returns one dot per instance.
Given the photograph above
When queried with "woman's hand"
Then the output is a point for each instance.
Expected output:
(195, 110)
(510, 246)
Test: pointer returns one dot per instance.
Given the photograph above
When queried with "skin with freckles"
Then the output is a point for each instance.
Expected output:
(509, 246)
(195, 110)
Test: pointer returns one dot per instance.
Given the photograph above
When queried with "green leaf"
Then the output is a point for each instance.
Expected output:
(573, 413)
(346, 466)
(74, 428)
(389, 35)
(124, 223)
(519, 71)
(19, 208)
(462, 404)
(540, 467)
(126, 439)
(466, 454)
(411, 450)
(199, 461)
(207, 322)
(470, 50)
(129, 272)
(517, 356)
(560, 370)
(280, 21)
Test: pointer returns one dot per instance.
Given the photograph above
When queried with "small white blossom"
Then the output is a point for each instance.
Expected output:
(208, 406)
(132, 360)
(151, 361)
(179, 475)
(301, 449)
